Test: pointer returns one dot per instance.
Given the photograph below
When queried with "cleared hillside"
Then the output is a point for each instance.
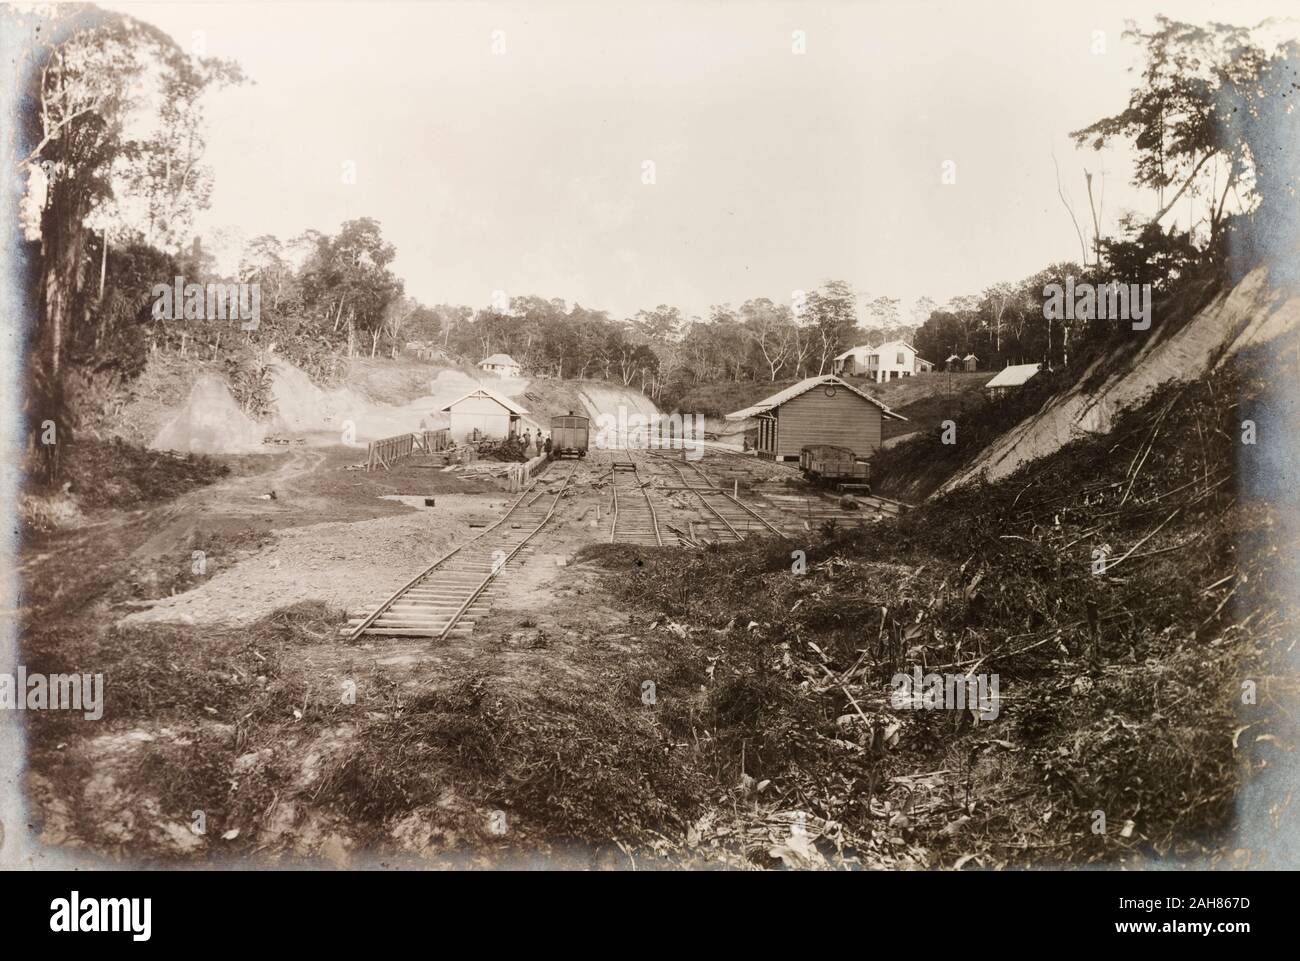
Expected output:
(191, 405)
(1194, 333)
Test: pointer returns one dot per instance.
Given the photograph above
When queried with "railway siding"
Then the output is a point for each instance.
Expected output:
(449, 596)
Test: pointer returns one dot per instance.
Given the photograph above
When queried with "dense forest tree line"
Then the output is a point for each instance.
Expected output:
(108, 215)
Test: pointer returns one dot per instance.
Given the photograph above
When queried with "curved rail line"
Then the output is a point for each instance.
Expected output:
(633, 522)
(434, 602)
(736, 510)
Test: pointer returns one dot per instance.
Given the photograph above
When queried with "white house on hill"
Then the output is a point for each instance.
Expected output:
(889, 361)
(502, 364)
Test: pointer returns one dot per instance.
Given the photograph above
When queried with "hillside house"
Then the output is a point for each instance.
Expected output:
(970, 363)
(424, 350)
(1011, 377)
(889, 361)
(852, 362)
(484, 411)
(503, 365)
(953, 363)
(817, 410)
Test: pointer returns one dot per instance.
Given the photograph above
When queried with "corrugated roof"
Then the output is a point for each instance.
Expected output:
(855, 350)
(805, 385)
(875, 350)
(501, 360)
(501, 399)
(1013, 376)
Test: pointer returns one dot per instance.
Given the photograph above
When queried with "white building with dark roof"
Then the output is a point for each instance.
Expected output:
(482, 414)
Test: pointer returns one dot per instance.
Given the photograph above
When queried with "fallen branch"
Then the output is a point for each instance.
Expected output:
(1112, 564)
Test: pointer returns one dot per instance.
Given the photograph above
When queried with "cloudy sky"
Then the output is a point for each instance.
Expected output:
(505, 146)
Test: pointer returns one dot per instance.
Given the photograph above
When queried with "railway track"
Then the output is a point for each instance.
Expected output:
(804, 511)
(452, 593)
(729, 517)
(633, 519)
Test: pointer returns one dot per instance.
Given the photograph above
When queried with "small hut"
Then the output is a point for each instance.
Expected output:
(483, 410)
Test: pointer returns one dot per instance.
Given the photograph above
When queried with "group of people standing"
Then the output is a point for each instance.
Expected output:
(530, 443)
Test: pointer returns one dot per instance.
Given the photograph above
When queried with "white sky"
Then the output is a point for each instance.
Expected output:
(523, 171)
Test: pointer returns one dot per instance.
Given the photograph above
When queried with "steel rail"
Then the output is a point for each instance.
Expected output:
(497, 567)
(382, 609)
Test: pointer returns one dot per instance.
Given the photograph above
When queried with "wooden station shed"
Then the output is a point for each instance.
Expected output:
(483, 410)
(817, 410)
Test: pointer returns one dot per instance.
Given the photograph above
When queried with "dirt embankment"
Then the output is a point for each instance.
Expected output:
(1251, 313)
(377, 398)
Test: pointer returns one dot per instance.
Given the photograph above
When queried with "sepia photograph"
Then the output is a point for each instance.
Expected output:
(655, 437)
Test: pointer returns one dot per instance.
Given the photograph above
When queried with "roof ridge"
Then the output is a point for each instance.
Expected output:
(802, 387)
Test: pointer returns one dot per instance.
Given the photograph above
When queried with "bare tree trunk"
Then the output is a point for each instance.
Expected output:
(54, 300)
(1096, 225)
(1083, 249)
(1186, 183)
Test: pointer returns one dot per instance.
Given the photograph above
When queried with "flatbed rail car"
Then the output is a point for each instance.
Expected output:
(570, 435)
(833, 466)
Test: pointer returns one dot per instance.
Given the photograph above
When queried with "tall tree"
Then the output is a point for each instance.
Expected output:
(1181, 118)
(91, 69)
(771, 330)
(832, 313)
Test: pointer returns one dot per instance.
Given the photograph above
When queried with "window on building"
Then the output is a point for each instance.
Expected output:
(899, 359)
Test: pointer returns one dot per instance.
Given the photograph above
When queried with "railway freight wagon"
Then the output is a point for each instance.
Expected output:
(828, 464)
(570, 434)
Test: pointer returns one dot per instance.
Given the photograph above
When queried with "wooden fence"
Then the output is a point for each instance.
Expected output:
(435, 440)
(522, 474)
(383, 453)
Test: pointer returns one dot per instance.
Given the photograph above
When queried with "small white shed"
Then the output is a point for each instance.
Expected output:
(483, 410)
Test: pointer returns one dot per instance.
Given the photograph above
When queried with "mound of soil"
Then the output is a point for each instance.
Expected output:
(210, 422)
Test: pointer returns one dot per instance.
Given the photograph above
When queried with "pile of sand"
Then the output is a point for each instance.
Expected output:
(602, 399)
(210, 422)
(302, 407)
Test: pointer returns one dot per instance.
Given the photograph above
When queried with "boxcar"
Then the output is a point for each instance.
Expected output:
(827, 463)
(570, 435)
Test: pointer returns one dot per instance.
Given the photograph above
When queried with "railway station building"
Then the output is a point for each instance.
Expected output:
(483, 414)
(817, 410)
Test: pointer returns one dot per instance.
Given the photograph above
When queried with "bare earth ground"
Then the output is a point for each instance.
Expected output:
(624, 706)
(218, 704)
